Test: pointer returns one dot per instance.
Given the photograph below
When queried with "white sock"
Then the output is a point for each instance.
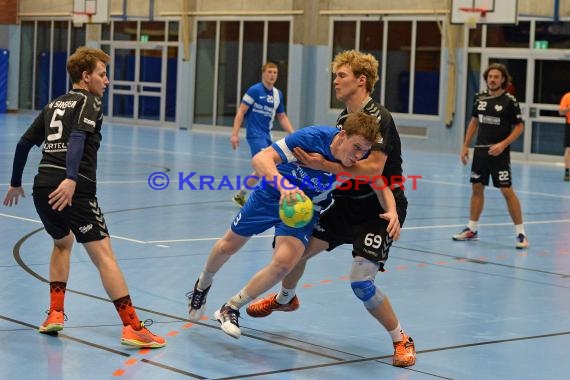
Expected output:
(397, 334)
(205, 280)
(239, 300)
(285, 296)
(519, 228)
(473, 225)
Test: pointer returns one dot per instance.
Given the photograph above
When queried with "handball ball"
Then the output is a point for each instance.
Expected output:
(296, 214)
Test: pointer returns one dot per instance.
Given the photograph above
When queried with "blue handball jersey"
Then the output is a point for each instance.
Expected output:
(316, 184)
(261, 113)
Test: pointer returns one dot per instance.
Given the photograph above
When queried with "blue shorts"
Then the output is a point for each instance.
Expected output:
(261, 212)
(257, 144)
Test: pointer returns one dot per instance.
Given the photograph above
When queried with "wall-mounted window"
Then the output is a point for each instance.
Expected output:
(556, 34)
(412, 46)
(534, 52)
(44, 49)
(548, 34)
(229, 56)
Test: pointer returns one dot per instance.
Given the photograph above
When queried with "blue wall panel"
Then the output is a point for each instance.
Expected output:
(4, 60)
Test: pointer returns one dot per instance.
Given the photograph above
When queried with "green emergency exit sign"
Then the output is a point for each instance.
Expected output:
(541, 44)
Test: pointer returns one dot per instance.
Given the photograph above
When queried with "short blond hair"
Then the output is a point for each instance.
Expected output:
(360, 64)
(269, 65)
(85, 59)
(362, 124)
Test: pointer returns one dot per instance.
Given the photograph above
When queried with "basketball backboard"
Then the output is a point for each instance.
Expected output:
(90, 12)
(484, 12)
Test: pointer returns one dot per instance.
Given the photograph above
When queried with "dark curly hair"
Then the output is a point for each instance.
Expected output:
(502, 68)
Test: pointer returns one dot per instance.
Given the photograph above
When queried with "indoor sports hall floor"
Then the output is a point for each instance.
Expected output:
(476, 310)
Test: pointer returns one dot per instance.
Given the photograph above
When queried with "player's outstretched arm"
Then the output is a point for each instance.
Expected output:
(238, 121)
(12, 195)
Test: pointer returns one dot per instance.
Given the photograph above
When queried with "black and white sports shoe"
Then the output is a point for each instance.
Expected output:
(197, 302)
(228, 318)
(522, 241)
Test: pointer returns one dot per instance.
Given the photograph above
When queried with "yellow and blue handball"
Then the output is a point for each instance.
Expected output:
(296, 214)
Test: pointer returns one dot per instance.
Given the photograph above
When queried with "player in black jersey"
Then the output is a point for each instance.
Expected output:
(496, 118)
(64, 191)
(356, 216)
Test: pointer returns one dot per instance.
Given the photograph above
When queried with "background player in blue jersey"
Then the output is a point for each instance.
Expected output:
(278, 166)
(258, 108)
(497, 121)
(354, 218)
(65, 191)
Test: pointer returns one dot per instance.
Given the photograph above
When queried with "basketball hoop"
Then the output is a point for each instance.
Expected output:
(80, 18)
(472, 17)
(474, 13)
(87, 11)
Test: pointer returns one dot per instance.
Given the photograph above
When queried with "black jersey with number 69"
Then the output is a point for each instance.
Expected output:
(76, 110)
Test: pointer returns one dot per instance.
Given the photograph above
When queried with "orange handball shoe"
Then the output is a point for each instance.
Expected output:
(269, 304)
(141, 338)
(404, 352)
(53, 322)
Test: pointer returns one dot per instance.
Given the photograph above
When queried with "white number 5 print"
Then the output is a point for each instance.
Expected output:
(57, 125)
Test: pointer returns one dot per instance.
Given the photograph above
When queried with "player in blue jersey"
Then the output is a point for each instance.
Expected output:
(353, 217)
(283, 180)
(258, 108)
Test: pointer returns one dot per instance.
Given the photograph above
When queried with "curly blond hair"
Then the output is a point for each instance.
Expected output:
(360, 64)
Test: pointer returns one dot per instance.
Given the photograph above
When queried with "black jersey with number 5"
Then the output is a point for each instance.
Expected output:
(78, 109)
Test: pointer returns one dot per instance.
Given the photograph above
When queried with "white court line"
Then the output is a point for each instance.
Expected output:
(443, 226)
(404, 228)
(128, 239)
(491, 188)
(201, 239)
(486, 224)
(39, 221)
(20, 218)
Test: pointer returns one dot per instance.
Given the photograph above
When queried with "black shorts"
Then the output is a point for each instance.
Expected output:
(566, 135)
(356, 222)
(497, 167)
(84, 217)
